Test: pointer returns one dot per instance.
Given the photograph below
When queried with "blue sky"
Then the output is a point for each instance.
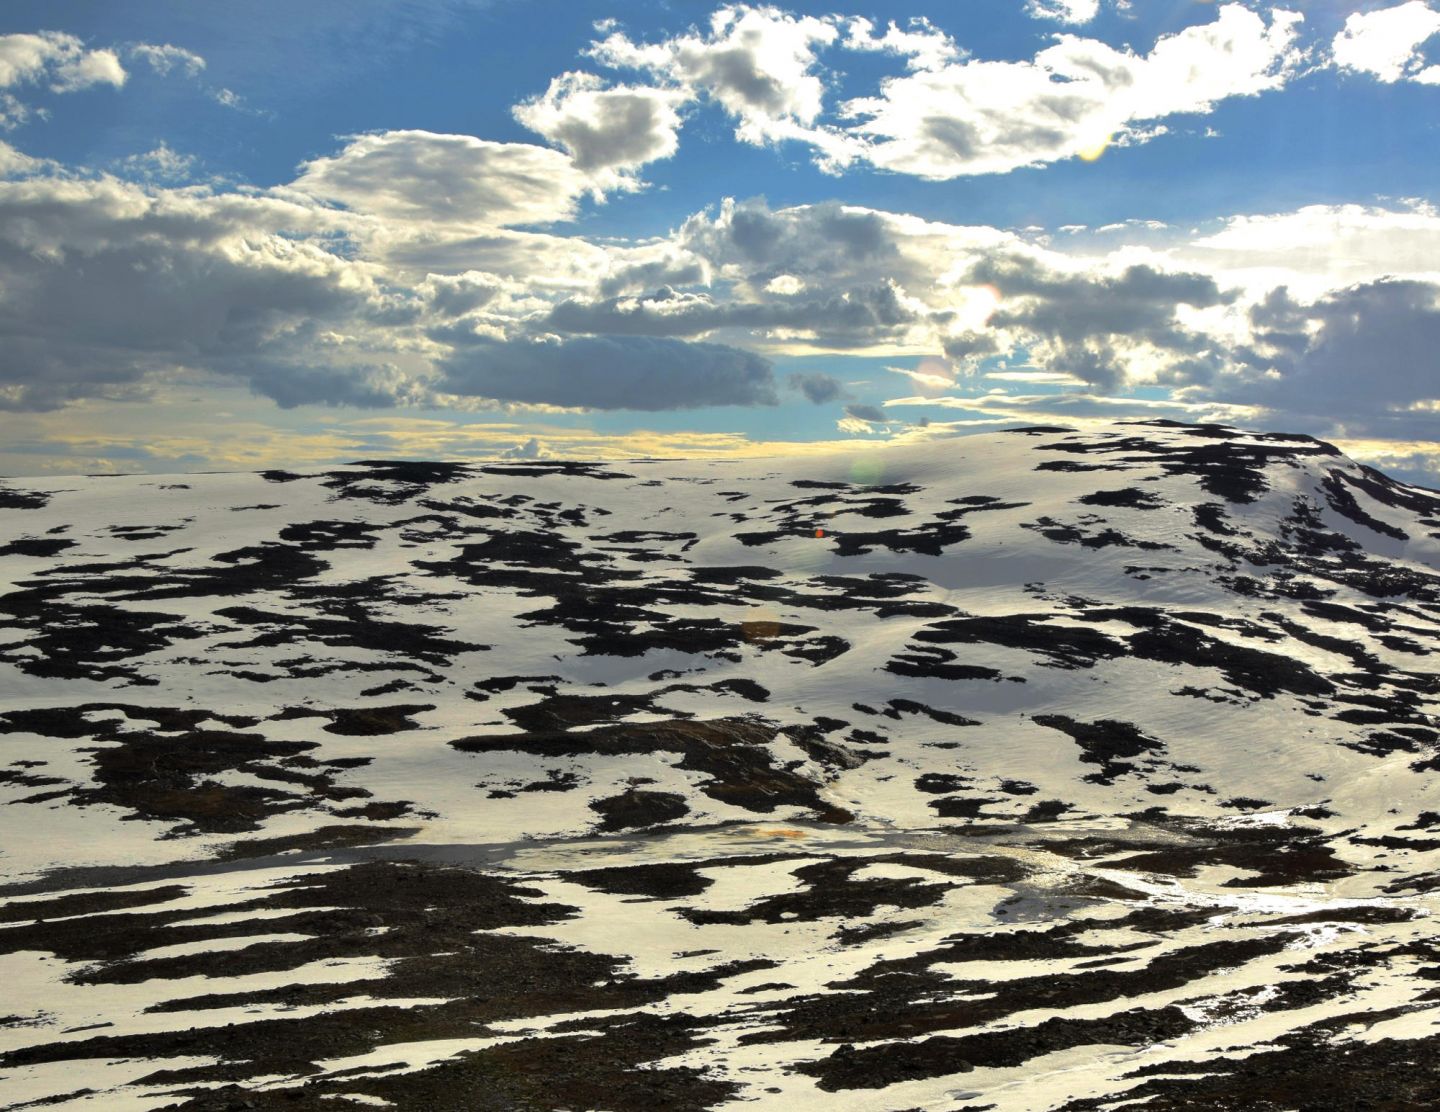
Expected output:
(271, 233)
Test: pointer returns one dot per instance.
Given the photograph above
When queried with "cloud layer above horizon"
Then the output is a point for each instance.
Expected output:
(421, 272)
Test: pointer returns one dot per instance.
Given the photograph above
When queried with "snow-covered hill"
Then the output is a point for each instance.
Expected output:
(1038, 769)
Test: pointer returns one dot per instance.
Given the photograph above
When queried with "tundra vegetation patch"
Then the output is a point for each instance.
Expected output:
(1048, 770)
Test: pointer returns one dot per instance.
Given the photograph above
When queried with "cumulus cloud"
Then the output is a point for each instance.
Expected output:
(424, 177)
(950, 115)
(1386, 43)
(50, 57)
(756, 63)
(828, 239)
(1367, 349)
(609, 132)
(62, 60)
(104, 285)
(652, 266)
(87, 68)
(531, 449)
(979, 117)
(107, 287)
(606, 372)
(887, 281)
(1099, 327)
(453, 295)
(1203, 319)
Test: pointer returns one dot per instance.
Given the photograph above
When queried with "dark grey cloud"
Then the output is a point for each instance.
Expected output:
(1087, 324)
(1139, 302)
(819, 388)
(872, 413)
(654, 273)
(1096, 363)
(454, 295)
(608, 372)
(826, 239)
(969, 344)
(372, 387)
(102, 287)
(1365, 350)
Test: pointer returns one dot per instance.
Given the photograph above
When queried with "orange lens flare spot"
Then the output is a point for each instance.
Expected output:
(760, 630)
(819, 532)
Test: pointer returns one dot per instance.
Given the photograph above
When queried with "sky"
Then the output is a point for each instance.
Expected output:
(270, 234)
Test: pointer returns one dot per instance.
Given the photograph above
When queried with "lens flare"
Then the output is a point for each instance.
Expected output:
(762, 624)
(1092, 150)
(867, 470)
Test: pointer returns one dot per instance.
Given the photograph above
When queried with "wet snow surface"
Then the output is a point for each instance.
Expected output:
(1065, 771)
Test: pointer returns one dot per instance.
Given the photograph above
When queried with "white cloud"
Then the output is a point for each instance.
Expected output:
(15, 163)
(950, 115)
(87, 68)
(757, 63)
(923, 45)
(1052, 378)
(62, 60)
(786, 285)
(425, 177)
(609, 132)
(1065, 11)
(25, 57)
(1075, 97)
(158, 164)
(163, 58)
(1386, 43)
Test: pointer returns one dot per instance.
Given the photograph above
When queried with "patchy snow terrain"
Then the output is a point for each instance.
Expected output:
(1064, 771)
